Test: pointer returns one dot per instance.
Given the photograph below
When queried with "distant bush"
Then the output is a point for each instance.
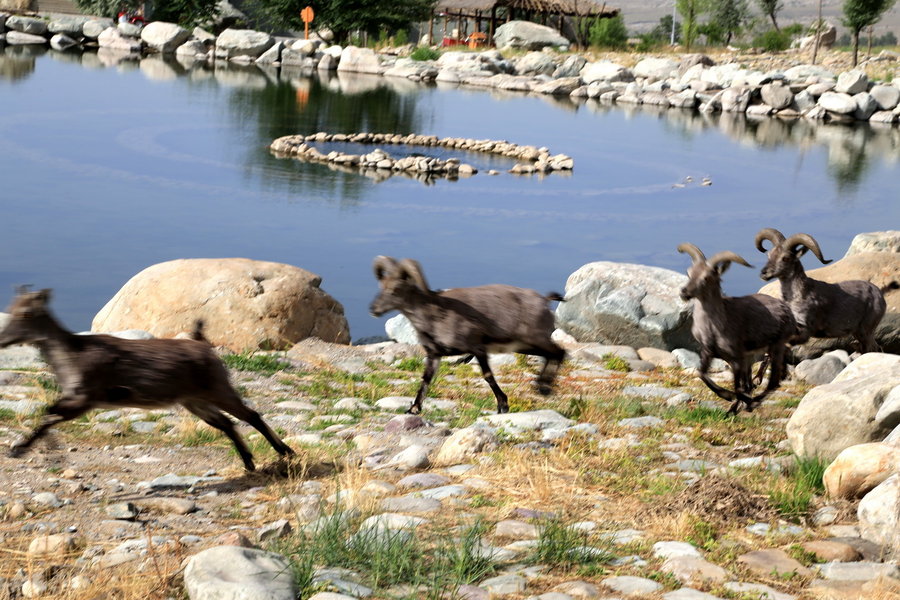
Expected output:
(401, 38)
(608, 33)
(773, 41)
(425, 53)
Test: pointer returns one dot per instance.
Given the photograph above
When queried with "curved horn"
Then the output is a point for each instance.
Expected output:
(414, 270)
(692, 250)
(381, 265)
(726, 257)
(773, 235)
(807, 241)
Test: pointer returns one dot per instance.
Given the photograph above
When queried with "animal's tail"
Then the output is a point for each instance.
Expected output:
(197, 334)
(554, 297)
(894, 285)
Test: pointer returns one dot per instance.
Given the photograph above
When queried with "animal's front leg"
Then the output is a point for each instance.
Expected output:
(431, 365)
(64, 409)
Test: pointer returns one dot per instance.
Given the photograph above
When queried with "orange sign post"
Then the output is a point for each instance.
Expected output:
(307, 15)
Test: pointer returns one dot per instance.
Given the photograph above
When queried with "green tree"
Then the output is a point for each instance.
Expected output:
(663, 29)
(608, 33)
(343, 17)
(770, 8)
(728, 18)
(690, 11)
(859, 14)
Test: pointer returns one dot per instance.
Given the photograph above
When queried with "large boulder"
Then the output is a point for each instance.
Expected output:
(621, 303)
(30, 25)
(112, 39)
(164, 37)
(528, 36)
(242, 43)
(236, 573)
(244, 304)
(852, 409)
(852, 82)
(359, 60)
(878, 514)
(862, 261)
(656, 68)
(836, 102)
(535, 63)
(605, 70)
(777, 95)
(860, 468)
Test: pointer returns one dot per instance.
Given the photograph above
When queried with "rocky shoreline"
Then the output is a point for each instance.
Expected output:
(691, 82)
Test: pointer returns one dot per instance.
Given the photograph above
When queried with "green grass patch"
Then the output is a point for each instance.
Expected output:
(425, 53)
(615, 363)
(413, 363)
(202, 436)
(267, 364)
(696, 415)
(560, 544)
(7, 415)
(808, 472)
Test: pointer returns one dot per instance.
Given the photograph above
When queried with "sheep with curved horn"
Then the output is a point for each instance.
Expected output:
(735, 329)
(825, 310)
(472, 320)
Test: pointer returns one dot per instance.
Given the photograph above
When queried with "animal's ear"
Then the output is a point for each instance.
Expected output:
(382, 265)
(723, 266)
(799, 251)
(21, 289)
(43, 296)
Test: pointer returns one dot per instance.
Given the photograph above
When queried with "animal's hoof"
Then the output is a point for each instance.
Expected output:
(502, 410)
(16, 451)
(413, 410)
(544, 389)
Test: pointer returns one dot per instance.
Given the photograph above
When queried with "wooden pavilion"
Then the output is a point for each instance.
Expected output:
(493, 12)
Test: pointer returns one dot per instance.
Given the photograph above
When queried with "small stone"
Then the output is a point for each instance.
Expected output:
(763, 592)
(47, 499)
(59, 543)
(631, 586)
(673, 549)
(829, 551)
(504, 585)
(122, 510)
(766, 562)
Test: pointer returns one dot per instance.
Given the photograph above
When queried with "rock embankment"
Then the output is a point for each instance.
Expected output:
(691, 81)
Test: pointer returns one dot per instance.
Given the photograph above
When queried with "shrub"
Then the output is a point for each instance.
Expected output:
(608, 33)
(425, 53)
(773, 41)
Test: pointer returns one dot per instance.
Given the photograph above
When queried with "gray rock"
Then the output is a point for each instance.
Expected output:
(94, 27)
(673, 549)
(535, 420)
(122, 510)
(528, 36)
(465, 444)
(641, 422)
(631, 586)
(694, 569)
(236, 573)
(840, 103)
(25, 408)
(852, 82)
(343, 580)
(274, 530)
(69, 25)
(571, 67)
(735, 99)
(865, 106)
(129, 30)
(423, 480)
(47, 499)
(61, 41)
(391, 522)
(777, 95)
(689, 594)
(857, 571)
(535, 63)
(242, 43)
(879, 520)
(876, 241)
(112, 39)
(607, 71)
(30, 25)
(802, 73)
(17, 38)
(164, 37)
(655, 68)
(841, 414)
(413, 457)
(411, 504)
(504, 585)
(171, 480)
(819, 371)
(650, 391)
(400, 329)
(558, 87)
(359, 60)
(630, 304)
(885, 96)
(760, 590)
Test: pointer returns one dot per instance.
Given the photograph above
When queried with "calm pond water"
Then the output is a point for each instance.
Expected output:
(109, 167)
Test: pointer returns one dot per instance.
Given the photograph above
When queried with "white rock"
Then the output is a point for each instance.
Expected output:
(236, 573)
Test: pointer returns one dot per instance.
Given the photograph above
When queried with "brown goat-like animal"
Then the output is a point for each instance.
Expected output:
(95, 371)
(824, 310)
(735, 329)
(472, 320)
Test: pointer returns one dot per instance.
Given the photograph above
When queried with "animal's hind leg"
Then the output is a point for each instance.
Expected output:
(253, 418)
(64, 409)
(553, 360)
(502, 404)
(214, 418)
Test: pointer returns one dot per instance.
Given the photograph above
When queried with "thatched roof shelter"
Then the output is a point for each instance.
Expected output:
(494, 11)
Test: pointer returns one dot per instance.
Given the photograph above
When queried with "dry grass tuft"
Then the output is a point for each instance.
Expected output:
(721, 499)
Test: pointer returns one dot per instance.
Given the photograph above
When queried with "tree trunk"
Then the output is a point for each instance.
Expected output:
(774, 22)
(855, 47)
